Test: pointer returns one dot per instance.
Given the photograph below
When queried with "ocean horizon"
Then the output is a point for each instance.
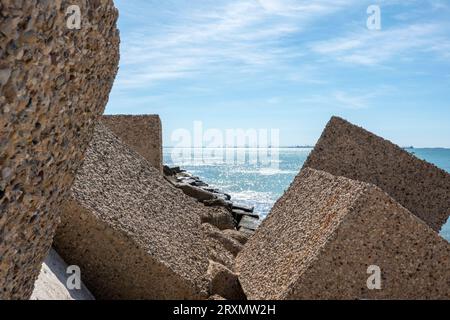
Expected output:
(261, 183)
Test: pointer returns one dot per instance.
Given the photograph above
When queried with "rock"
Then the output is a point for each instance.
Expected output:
(186, 175)
(230, 244)
(52, 282)
(239, 214)
(222, 248)
(143, 133)
(217, 203)
(218, 217)
(249, 223)
(172, 181)
(323, 235)
(240, 237)
(246, 231)
(177, 170)
(185, 180)
(243, 208)
(224, 283)
(167, 171)
(199, 184)
(349, 151)
(226, 195)
(131, 233)
(212, 190)
(54, 84)
(195, 192)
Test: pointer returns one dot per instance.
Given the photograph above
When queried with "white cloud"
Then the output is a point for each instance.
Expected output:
(237, 37)
(348, 99)
(368, 47)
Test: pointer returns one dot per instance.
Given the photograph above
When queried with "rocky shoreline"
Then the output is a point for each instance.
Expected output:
(244, 217)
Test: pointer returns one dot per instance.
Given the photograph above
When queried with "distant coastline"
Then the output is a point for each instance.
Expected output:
(296, 147)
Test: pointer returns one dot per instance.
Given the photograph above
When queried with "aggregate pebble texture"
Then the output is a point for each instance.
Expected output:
(324, 233)
(54, 84)
(143, 133)
(350, 151)
(133, 235)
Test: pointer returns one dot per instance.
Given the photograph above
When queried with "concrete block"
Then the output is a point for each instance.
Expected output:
(350, 151)
(323, 235)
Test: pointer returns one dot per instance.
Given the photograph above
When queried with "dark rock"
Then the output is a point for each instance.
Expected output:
(177, 170)
(195, 192)
(239, 214)
(213, 190)
(243, 207)
(167, 171)
(224, 196)
(199, 184)
(217, 203)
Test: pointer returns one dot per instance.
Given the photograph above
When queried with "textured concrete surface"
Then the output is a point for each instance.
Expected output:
(224, 282)
(133, 235)
(54, 83)
(143, 133)
(350, 151)
(221, 247)
(52, 282)
(218, 217)
(324, 233)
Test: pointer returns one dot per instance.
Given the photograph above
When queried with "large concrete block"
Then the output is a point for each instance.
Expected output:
(133, 235)
(54, 83)
(52, 283)
(143, 133)
(350, 151)
(326, 231)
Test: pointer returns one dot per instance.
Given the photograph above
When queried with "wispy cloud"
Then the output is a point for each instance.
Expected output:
(348, 99)
(367, 47)
(235, 37)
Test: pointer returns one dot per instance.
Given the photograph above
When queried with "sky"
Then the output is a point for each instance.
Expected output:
(287, 65)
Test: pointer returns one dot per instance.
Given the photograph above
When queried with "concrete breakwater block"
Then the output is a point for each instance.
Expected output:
(224, 282)
(350, 151)
(326, 233)
(243, 207)
(239, 214)
(142, 133)
(132, 234)
(52, 282)
(196, 192)
(54, 84)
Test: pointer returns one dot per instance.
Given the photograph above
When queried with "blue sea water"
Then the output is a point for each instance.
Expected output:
(261, 184)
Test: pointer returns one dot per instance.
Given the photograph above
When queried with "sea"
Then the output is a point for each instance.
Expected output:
(259, 177)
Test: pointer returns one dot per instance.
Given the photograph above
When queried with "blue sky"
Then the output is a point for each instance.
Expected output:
(288, 65)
